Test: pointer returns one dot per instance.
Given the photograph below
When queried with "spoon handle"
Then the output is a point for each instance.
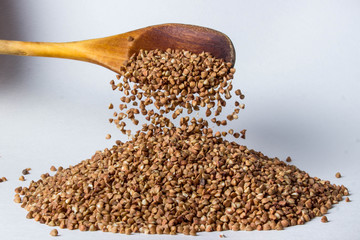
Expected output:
(68, 50)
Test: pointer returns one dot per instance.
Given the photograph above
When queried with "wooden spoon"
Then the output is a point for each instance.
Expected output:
(110, 52)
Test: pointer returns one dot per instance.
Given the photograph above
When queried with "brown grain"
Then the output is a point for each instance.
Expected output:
(54, 233)
(171, 177)
(324, 219)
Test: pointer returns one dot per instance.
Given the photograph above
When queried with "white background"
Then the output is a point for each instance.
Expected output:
(298, 63)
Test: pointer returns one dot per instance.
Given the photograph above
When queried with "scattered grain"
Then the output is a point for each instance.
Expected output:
(54, 233)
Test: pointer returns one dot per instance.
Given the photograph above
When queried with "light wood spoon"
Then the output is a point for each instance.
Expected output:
(110, 52)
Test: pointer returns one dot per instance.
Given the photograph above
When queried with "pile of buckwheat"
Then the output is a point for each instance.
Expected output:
(177, 177)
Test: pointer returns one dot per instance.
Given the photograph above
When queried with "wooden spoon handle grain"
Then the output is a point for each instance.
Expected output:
(69, 50)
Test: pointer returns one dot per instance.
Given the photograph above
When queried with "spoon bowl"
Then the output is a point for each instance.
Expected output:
(111, 52)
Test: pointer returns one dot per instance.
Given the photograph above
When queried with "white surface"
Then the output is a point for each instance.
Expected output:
(297, 63)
